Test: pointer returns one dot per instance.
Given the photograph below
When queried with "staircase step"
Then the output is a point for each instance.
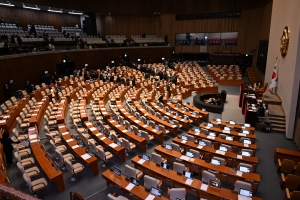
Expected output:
(278, 126)
(277, 118)
(278, 130)
(277, 122)
(276, 111)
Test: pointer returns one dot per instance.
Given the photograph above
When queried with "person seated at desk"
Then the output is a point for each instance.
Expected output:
(160, 99)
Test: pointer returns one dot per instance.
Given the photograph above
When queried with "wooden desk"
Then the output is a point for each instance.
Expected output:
(250, 115)
(173, 179)
(207, 89)
(121, 183)
(204, 114)
(103, 109)
(196, 119)
(158, 135)
(231, 158)
(185, 123)
(12, 114)
(82, 110)
(105, 142)
(61, 111)
(237, 146)
(235, 126)
(236, 135)
(54, 175)
(131, 136)
(37, 115)
(92, 161)
(286, 154)
(172, 128)
(226, 174)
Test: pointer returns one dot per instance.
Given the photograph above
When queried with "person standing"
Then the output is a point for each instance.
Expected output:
(7, 93)
(7, 147)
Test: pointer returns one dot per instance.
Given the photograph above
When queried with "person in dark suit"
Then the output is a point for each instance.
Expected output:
(7, 147)
(111, 79)
(119, 79)
(133, 82)
(160, 99)
(127, 80)
(29, 87)
(7, 92)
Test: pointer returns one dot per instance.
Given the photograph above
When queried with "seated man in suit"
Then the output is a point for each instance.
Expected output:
(160, 99)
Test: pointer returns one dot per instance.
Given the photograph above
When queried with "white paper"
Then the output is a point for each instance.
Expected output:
(125, 130)
(93, 129)
(186, 158)
(242, 197)
(65, 133)
(104, 113)
(239, 156)
(154, 130)
(69, 140)
(145, 126)
(113, 145)
(225, 131)
(86, 156)
(129, 186)
(141, 161)
(183, 141)
(31, 129)
(220, 152)
(75, 146)
(200, 147)
(150, 197)
(2, 121)
(136, 121)
(203, 187)
(35, 140)
(211, 137)
(34, 115)
(98, 134)
(103, 138)
(118, 125)
(207, 127)
(246, 145)
(189, 181)
(242, 134)
(63, 126)
(239, 173)
(32, 136)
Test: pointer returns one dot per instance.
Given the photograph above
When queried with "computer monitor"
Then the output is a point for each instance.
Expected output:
(148, 123)
(162, 118)
(245, 192)
(203, 109)
(218, 120)
(215, 162)
(168, 146)
(215, 184)
(189, 154)
(229, 138)
(139, 134)
(48, 156)
(117, 171)
(247, 125)
(226, 128)
(187, 174)
(244, 169)
(197, 130)
(119, 143)
(157, 127)
(222, 148)
(210, 125)
(176, 114)
(165, 166)
(55, 165)
(155, 191)
(245, 132)
(194, 113)
(172, 122)
(202, 143)
(231, 122)
(247, 141)
(183, 137)
(213, 134)
(146, 157)
(246, 153)
(134, 181)
(185, 117)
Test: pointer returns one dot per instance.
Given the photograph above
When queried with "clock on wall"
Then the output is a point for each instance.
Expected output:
(284, 41)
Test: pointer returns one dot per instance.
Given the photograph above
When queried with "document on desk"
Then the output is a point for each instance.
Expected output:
(113, 145)
(136, 121)
(118, 125)
(211, 137)
(85, 156)
(141, 161)
(129, 186)
(145, 126)
(189, 181)
(200, 147)
(69, 140)
(75, 146)
(204, 187)
(104, 113)
(242, 134)
(150, 197)
(207, 127)
(224, 131)
(197, 133)
(103, 138)
(34, 136)
(65, 133)
(239, 156)
(186, 158)
(220, 152)
(98, 134)
(246, 145)
(239, 173)
(93, 129)
(63, 126)
(124, 131)
(183, 141)
(2, 121)
(242, 197)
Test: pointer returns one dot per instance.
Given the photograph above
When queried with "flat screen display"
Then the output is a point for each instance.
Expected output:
(117, 171)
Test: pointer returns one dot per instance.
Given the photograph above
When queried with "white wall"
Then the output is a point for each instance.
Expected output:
(285, 13)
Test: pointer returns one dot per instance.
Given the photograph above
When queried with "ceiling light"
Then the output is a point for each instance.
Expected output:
(75, 13)
(7, 4)
(57, 11)
(33, 8)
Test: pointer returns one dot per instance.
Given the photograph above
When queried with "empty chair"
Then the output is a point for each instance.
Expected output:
(176, 147)
(51, 131)
(228, 147)
(19, 136)
(104, 156)
(26, 161)
(55, 140)
(94, 148)
(241, 184)
(21, 124)
(176, 193)
(32, 171)
(222, 160)
(63, 157)
(132, 172)
(157, 159)
(295, 195)
(87, 141)
(50, 122)
(114, 197)
(291, 181)
(207, 176)
(203, 130)
(190, 138)
(74, 168)
(286, 166)
(250, 151)
(297, 169)
(36, 185)
(179, 167)
(60, 148)
(247, 166)
(147, 136)
(207, 142)
(162, 128)
(150, 182)
(196, 153)
(22, 152)
(128, 145)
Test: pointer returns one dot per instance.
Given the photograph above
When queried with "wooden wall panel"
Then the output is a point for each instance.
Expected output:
(26, 16)
(32, 67)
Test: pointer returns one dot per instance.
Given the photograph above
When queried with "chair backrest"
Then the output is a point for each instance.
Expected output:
(287, 166)
(101, 154)
(175, 147)
(177, 193)
(207, 176)
(69, 166)
(295, 195)
(196, 153)
(241, 184)
(28, 181)
(178, 167)
(21, 168)
(162, 128)
(145, 135)
(246, 165)
(228, 147)
(190, 138)
(207, 142)
(130, 171)
(222, 160)
(126, 144)
(156, 158)
(59, 155)
(203, 130)
(150, 182)
(292, 182)
(297, 169)
(16, 154)
(248, 150)
(114, 137)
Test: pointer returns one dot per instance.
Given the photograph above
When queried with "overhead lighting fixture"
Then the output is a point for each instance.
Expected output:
(7, 4)
(33, 8)
(75, 13)
(56, 11)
